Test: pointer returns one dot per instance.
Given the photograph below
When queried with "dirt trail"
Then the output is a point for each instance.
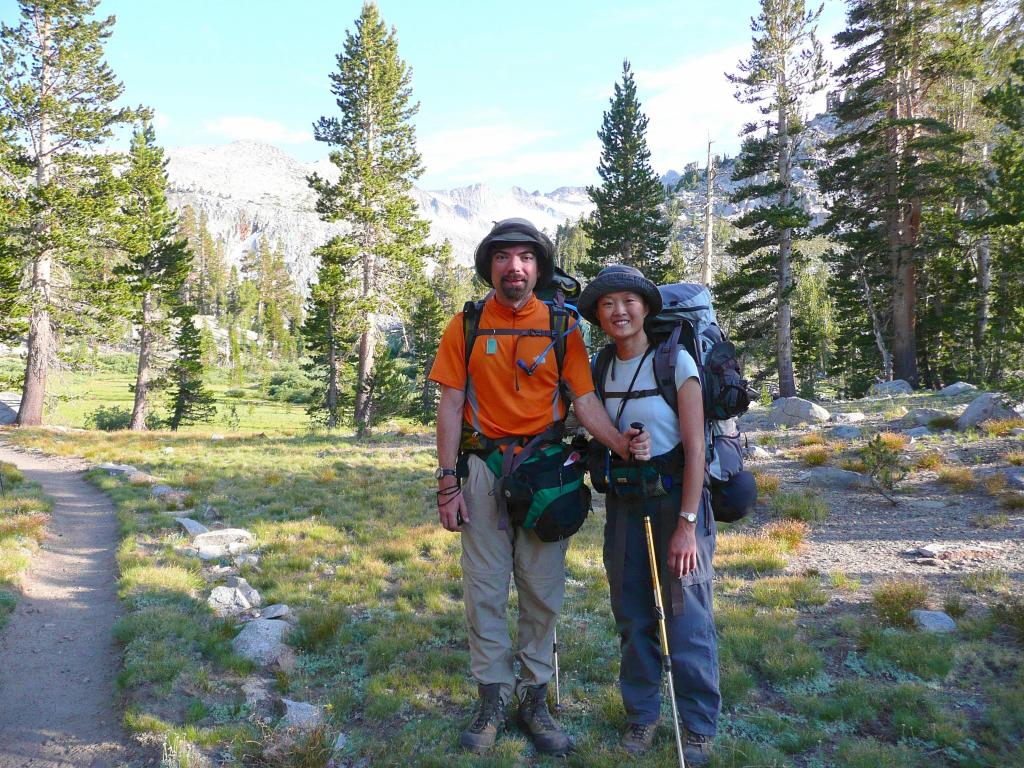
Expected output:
(58, 706)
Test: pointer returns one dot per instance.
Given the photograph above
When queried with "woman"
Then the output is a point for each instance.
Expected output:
(619, 299)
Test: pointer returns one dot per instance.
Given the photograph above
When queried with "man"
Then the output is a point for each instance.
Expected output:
(511, 389)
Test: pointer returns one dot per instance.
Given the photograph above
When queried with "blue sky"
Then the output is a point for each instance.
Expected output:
(510, 93)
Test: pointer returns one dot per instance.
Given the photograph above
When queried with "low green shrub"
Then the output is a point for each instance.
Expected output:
(800, 505)
(896, 598)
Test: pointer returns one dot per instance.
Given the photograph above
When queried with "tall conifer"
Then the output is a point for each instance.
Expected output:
(56, 100)
(627, 225)
(190, 401)
(785, 67)
(158, 260)
(374, 149)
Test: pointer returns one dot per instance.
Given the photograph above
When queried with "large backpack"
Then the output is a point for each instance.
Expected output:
(687, 319)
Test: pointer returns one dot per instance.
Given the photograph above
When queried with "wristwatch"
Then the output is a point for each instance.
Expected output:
(689, 517)
(443, 472)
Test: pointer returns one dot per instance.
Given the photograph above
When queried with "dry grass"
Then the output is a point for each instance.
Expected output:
(851, 464)
(1001, 427)
(791, 532)
(815, 455)
(767, 483)
(995, 483)
(930, 460)
(896, 598)
(895, 441)
(958, 478)
(812, 438)
(1016, 458)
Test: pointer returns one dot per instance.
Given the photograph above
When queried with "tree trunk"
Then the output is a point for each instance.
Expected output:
(784, 328)
(40, 332)
(705, 268)
(368, 339)
(332, 366)
(142, 376)
(876, 327)
(427, 395)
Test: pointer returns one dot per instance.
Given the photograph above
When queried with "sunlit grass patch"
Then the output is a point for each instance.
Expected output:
(992, 580)
(791, 533)
(1001, 427)
(800, 505)
(895, 441)
(10, 475)
(995, 483)
(815, 455)
(1016, 458)
(767, 483)
(24, 513)
(766, 642)
(957, 478)
(152, 580)
(812, 438)
(788, 592)
(896, 598)
(843, 581)
(743, 552)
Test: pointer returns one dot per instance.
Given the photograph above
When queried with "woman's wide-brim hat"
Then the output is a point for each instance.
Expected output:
(612, 279)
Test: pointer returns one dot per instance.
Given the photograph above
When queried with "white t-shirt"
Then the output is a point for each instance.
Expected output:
(656, 415)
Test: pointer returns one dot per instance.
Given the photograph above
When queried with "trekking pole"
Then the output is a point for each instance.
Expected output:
(558, 692)
(659, 611)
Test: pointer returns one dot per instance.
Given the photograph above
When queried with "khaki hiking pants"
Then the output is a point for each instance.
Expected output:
(489, 557)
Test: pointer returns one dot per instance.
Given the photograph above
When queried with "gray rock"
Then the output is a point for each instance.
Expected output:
(917, 432)
(894, 387)
(167, 449)
(990, 405)
(215, 437)
(1015, 478)
(259, 698)
(251, 595)
(846, 433)
(956, 389)
(248, 558)
(922, 417)
(276, 611)
(853, 417)
(224, 537)
(756, 453)
(340, 742)
(169, 496)
(228, 601)
(1017, 431)
(301, 715)
(796, 410)
(261, 640)
(143, 478)
(833, 477)
(933, 621)
(10, 403)
(117, 469)
(192, 527)
(218, 551)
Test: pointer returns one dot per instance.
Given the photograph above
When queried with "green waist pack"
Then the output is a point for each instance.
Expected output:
(546, 493)
(636, 481)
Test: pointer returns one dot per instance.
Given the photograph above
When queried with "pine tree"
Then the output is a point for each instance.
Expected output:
(375, 153)
(390, 390)
(56, 97)
(786, 66)
(572, 245)
(190, 401)
(890, 161)
(12, 306)
(627, 225)
(158, 260)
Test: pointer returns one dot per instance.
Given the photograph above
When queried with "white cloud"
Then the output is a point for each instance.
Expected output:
(531, 167)
(249, 128)
(461, 148)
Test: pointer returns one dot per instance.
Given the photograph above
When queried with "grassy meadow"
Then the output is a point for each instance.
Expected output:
(347, 535)
(24, 511)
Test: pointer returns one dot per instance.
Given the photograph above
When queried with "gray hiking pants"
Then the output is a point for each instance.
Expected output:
(489, 558)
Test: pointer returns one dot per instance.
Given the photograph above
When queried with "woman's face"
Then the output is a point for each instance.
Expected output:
(622, 314)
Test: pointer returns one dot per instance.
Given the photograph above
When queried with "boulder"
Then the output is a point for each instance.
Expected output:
(259, 698)
(756, 453)
(223, 537)
(990, 405)
(956, 389)
(248, 558)
(853, 417)
(246, 589)
(833, 477)
(172, 497)
(228, 601)
(192, 527)
(1015, 478)
(300, 714)
(895, 387)
(117, 469)
(846, 433)
(933, 621)
(10, 403)
(795, 410)
(142, 478)
(917, 432)
(276, 611)
(261, 641)
(922, 417)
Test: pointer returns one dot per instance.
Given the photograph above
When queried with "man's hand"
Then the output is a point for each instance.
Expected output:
(682, 549)
(451, 504)
(639, 443)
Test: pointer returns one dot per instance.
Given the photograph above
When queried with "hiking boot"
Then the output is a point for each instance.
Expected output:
(535, 720)
(638, 737)
(697, 749)
(491, 719)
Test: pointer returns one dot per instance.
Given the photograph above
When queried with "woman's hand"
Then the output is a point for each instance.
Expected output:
(682, 549)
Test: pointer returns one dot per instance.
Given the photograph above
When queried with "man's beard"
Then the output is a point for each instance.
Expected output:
(515, 293)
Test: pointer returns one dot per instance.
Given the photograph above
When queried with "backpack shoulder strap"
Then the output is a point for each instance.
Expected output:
(471, 312)
(665, 368)
(599, 367)
(560, 327)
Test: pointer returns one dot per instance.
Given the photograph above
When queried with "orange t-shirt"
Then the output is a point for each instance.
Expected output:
(502, 400)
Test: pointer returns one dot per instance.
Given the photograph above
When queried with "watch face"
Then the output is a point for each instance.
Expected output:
(690, 517)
